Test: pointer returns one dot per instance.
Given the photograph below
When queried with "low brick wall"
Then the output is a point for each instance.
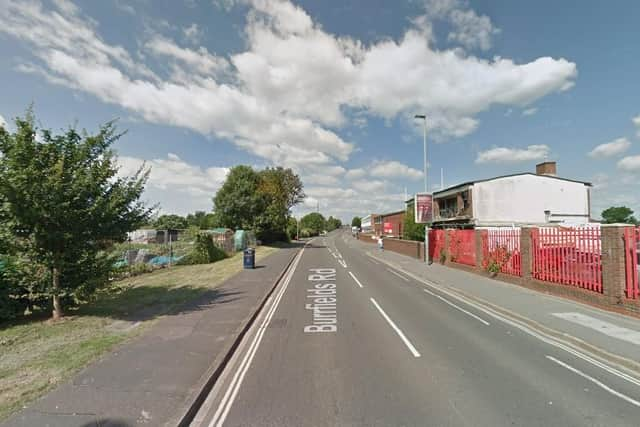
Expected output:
(405, 247)
(613, 271)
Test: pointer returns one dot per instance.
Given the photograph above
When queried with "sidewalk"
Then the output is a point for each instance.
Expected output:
(152, 379)
(612, 332)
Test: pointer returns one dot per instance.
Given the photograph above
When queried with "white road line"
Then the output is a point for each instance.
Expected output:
(457, 307)
(374, 261)
(230, 395)
(357, 281)
(342, 263)
(410, 346)
(595, 381)
(607, 328)
(517, 324)
(398, 274)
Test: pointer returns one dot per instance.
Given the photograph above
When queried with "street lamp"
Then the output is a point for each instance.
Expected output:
(426, 227)
(424, 117)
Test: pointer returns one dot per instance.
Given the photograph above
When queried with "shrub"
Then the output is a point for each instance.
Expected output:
(203, 252)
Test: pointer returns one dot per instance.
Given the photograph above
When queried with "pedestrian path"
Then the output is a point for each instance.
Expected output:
(151, 380)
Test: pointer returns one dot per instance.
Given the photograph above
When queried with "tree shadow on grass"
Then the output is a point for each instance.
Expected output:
(142, 303)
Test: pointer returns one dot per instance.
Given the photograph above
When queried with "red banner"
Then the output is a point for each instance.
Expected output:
(387, 228)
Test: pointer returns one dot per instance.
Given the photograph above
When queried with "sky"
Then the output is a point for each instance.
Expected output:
(330, 89)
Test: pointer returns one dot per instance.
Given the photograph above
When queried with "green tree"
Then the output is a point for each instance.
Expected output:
(411, 230)
(333, 223)
(64, 203)
(171, 221)
(618, 215)
(356, 222)
(259, 201)
(292, 228)
(313, 222)
(238, 203)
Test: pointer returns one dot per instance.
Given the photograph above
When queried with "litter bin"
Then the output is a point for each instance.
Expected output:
(249, 258)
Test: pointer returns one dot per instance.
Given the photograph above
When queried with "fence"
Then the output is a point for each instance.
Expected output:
(502, 246)
(436, 244)
(462, 246)
(570, 256)
(632, 262)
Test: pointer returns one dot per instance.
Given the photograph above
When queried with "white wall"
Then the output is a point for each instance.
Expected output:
(524, 198)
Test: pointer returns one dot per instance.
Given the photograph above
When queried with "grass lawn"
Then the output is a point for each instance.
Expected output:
(36, 355)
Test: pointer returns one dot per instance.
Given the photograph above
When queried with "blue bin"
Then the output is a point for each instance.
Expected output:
(249, 258)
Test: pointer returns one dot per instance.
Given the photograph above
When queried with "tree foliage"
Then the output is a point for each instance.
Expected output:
(411, 230)
(62, 204)
(313, 223)
(356, 222)
(619, 215)
(170, 222)
(258, 201)
(333, 223)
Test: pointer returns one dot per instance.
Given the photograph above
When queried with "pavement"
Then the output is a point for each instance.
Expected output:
(353, 340)
(153, 379)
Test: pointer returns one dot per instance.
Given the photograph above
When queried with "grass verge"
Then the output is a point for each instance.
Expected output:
(38, 355)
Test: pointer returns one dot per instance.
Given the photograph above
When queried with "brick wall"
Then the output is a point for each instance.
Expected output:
(613, 270)
(405, 247)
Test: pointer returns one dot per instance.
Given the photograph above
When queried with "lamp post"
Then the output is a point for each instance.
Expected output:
(424, 139)
(426, 227)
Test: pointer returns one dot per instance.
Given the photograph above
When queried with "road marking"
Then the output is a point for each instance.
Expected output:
(516, 324)
(342, 263)
(374, 261)
(602, 326)
(457, 307)
(230, 395)
(595, 381)
(410, 346)
(357, 281)
(339, 254)
(398, 274)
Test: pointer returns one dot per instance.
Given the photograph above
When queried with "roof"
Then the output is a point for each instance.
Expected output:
(464, 184)
(392, 213)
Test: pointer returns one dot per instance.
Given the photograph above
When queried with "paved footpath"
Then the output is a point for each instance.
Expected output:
(151, 380)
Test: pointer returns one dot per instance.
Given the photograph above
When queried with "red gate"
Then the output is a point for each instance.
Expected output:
(568, 255)
(632, 261)
(462, 246)
(502, 246)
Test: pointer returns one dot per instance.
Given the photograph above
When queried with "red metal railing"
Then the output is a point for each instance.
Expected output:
(571, 256)
(436, 244)
(462, 246)
(632, 261)
(502, 246)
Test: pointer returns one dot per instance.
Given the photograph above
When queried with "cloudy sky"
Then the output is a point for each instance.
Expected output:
(330, 89)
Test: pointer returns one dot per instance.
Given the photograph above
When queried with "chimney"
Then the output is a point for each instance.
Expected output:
(546, 168)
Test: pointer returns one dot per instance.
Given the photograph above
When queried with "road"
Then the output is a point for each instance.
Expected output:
(401, 353)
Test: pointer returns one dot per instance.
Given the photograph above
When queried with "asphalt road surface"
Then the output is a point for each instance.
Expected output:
(381, 349)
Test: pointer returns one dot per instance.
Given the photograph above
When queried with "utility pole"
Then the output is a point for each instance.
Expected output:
(426, 190)
(441, 178)
(424, 140)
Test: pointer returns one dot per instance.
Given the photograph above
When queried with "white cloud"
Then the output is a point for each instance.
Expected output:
(636, 121)
(467, 27)
(510, 155)
(394, 169)
(529, 111)
(125, 7)
(3, 122)
(355, 173)
(630, 163)
(174, 174)
(193, 33)
(284, 97)
(613, 148)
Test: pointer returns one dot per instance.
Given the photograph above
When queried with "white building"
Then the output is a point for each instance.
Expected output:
(525, 198)
(366, 224)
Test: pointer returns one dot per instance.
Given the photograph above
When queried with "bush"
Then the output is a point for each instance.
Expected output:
(203, 252)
